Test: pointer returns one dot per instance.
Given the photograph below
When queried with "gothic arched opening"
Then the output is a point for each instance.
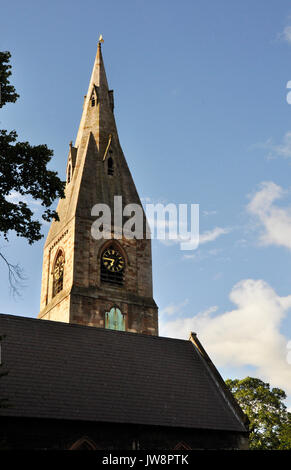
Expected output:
(112, 265)
(58, 273)
(83, 444)
(115, 320)
(110, 167)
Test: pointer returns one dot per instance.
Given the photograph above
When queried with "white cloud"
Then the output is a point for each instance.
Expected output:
(201, 255)
(249, 335)
(275, 221)
(286, 34)
(15, 197)
(211, 235)
(206, 237)
(182, 327)
(278, 150)
(174, 309)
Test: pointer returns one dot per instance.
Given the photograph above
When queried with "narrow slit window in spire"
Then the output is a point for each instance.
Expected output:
(69, 174)
(110, 168)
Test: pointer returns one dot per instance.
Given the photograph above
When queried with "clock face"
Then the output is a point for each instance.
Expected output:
(112, 260)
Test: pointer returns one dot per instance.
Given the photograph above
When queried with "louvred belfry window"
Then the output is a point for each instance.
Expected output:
(93, 98)
(110, 166)
(58, 273)
(112, 266)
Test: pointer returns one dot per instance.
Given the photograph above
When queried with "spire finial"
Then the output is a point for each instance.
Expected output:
(100, 39)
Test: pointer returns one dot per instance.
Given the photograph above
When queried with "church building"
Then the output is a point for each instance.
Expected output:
(91, 371)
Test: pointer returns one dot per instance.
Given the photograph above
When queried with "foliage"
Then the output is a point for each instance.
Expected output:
(270, 423)
(23, 177)
(7, 91)
(23, 169)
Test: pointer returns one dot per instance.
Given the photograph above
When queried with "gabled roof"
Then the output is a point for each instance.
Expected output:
(74, 372)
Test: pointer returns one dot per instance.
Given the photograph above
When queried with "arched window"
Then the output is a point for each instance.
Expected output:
(114, 320)
(83, 444)
(58, 273)
(112, 266)
(182, 446)
(110, 168)
(93, 98)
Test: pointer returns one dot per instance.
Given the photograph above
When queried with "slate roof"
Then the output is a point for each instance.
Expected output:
(73, 372)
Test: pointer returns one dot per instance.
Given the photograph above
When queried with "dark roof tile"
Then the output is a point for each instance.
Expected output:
(68, 371)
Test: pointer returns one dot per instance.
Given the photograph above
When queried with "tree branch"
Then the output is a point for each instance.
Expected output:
(15, 276)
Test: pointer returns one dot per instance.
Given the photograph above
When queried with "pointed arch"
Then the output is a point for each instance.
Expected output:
(182, 446)
(113, 261)
(110, 166)
(84, 443)
(94, 96)
(60, 249)
(58, 271)
(117, 245)
(115, 319)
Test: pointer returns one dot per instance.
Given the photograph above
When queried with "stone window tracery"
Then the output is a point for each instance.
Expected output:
(58, 273)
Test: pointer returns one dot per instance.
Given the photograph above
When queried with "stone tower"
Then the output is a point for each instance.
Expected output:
(103, 282)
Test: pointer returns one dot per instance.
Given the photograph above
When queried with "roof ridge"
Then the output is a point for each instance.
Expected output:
(95, 328)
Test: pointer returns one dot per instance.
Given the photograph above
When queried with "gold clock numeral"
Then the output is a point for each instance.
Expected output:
(112, 260)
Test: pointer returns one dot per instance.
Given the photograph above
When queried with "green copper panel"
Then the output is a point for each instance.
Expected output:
(114, 320)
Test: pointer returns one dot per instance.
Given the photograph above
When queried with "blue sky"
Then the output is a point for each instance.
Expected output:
(200, 103)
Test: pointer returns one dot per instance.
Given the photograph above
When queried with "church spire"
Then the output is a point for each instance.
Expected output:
(103, 282)
(97, 114)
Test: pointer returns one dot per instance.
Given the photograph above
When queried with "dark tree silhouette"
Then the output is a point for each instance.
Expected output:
(23, 171)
